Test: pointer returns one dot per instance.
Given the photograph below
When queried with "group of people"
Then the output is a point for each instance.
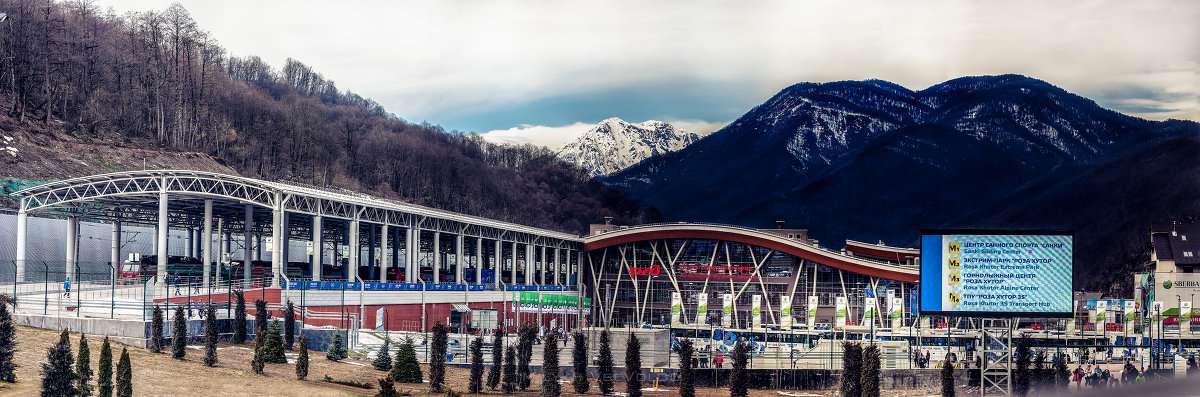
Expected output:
(1098, 377)
(921, 360)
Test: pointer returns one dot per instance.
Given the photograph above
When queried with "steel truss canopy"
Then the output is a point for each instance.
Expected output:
(133, 197)
(753, 237)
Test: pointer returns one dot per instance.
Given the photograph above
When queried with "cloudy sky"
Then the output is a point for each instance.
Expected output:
(542, 71)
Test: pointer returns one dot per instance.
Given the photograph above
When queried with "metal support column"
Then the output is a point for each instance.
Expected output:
(318, 255)
(248, 235)
(437, 257)
(512, 278)
(529, 264)
(352, 268)
(497, 264)
(479, 260)
(72, 247)
(558, 266)
(459, 263)
(543, 266)
(997, 357)
(384, 254)
(277, 237)
(190, 245)
(371, 253)
(410, 255)
(206, 249)
(163, 229)
(22, 240)
(116, 249)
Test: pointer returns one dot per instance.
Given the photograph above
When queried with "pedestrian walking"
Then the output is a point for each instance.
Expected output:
(67, 287)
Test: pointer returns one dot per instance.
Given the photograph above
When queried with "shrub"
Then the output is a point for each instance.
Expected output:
(210, 335)
(104, 370)
(83, 366)
(58, 378)
(633, 366)
(437, 357)
(383, 357)
(579, 360)
(1020, 382)
(605, 379)
(239, 318)
(869, 380)
(273, 346)
(493, 379)
(851, 383)
(337, 349)
(156, 330)
(737, 380)
(302, 359)
(257, 363)
(526, 334)
(8, 343)
(289, 325)
(476, 385)
(510, 370)
(260, 315)
(947, 378)
(179, 335)
(124, 375)
(550, 386)
(687, 386)
(406, 369)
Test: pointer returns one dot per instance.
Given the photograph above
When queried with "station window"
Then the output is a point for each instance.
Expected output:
(1187, 254)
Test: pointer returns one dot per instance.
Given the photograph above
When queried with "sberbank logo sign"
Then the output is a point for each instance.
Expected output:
(1181, 284)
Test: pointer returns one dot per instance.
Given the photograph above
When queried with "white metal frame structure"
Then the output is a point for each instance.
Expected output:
(194, 199)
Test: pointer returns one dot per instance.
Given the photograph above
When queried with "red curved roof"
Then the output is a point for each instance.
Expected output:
(881, 251)
(752, 237)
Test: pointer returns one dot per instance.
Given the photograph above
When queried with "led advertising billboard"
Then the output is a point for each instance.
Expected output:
(996, 273)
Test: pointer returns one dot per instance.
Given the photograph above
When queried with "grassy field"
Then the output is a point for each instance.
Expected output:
(161, 375)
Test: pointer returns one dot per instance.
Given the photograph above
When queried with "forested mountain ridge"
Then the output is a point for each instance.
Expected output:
(155, 81)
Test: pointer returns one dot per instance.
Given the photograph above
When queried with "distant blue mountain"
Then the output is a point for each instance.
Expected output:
(871, 160)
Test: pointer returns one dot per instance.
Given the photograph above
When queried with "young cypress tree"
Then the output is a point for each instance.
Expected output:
(1039, 378)
(1062, 375)
(83, 366)
(337, 348)
(260, 315)
(550, 386)
(58, 378)
(476, 385)
(737, 380)
(179, 335)
(124, 375)
(687, 386)
(947, 378)
(437, 357)
(851, 383)
(510, 370)
(493, 379)
(302, 359)
(633, 366)
(273, 346)
(869, 380)
(1020, 382)
(579, 360)
(289, 325)
(104, 370)
(210, 335)
(8, 343)
(156, 330)
(406, 369)
(257, 363)
(239, 318)
(383, 358)
(525, 334)
(605, 378)
(387, 388)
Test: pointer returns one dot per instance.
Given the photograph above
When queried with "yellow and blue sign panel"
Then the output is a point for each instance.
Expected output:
(996, 272)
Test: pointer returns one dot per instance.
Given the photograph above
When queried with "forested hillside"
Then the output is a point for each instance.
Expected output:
(154, 79)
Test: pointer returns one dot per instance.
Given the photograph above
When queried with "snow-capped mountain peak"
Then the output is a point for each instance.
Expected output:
(615, 144)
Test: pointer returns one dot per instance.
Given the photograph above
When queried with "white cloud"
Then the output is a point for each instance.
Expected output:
(447, 59)
(551, 137)
(699, 126)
